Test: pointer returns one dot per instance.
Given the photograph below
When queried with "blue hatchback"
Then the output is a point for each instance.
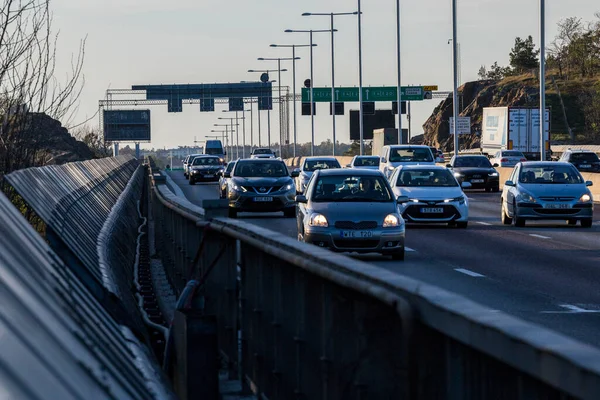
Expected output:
(547, 191)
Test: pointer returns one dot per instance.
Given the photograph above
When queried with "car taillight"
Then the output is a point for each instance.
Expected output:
(523, 159)
(504, 160)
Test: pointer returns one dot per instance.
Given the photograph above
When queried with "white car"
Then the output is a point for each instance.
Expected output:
(508, 158)
(364, 162)
(263, 153)
(310, 165)
(395, 155)
(434, 194)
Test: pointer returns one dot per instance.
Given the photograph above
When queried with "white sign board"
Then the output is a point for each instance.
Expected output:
(463, 127)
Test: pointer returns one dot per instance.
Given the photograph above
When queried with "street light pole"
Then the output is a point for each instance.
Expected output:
(244, 131)
(398, 43)
(454, 78)
(259, 145)
(280, 107)
(312, 99)
(360, 83)
(333, 81)
(542, 80)
(294, 96)
(237, 137)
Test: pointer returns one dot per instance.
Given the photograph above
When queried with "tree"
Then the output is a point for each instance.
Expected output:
(483, 73)
(92, 138)
(523, 56)
(568, 30)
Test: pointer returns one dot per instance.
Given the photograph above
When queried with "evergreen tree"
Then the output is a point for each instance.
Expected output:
(523, 56)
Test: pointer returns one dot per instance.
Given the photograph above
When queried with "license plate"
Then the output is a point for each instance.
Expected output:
(477, 181)
(263, 199)
(356, 234)
(585, 166)
(432, 210)
(559, 206)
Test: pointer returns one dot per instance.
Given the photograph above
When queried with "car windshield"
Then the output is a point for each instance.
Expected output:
(410, 155)
(206, 161)
(426, 178)
(550, 174)
(472, 162)
(512, 154)
(214, 151)
(230, 167)
(313, 165)
(261, 169)
(366, 162)
(263, 151)
(578, 157)
(351, 188)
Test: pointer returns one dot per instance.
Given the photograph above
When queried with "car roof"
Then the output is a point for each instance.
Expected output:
(349, 171)
(366, 156)
(423, 166)
(546, 163)
(579, 151)
(407, 146)
(260, 160)
(471, 155)
(328, 158)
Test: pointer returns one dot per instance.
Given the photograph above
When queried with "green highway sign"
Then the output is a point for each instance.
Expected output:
(348, 94)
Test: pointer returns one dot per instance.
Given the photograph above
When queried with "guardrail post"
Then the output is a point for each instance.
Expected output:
(197, 355)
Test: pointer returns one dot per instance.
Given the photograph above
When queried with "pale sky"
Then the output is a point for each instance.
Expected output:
(189, 41)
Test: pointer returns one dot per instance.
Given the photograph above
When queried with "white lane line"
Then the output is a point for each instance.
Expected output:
(571, 310)
(539, 236)
(483, 223)
(470, 273)
(408, 249)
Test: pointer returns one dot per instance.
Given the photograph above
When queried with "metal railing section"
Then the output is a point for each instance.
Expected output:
(57, 341)
(319, 325)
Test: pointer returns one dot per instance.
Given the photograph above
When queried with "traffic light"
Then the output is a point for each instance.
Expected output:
(339, 109)
(395, 107)
(306, 108)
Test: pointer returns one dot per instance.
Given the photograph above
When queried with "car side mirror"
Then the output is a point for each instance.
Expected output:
(466, 185)
(589, 183)
(227, 174)
(220, 173)
(509, 183)
(295, 173)
(383, 160)
(348, 165)
(495, 165)
(301, 199)
(448, 165)
(224, 153)
(402, 199)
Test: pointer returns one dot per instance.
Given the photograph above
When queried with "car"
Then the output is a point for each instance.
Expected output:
(366, 162)
(404, 154)
(583, 160)
(263, 153)
(543, 190)
(328, 213)
(508, 158)
(438, 155)
(204, 168)
(223, 181)
(261, 185)
(188, 160)
(477, 170)
(434, 195)
(309, 166)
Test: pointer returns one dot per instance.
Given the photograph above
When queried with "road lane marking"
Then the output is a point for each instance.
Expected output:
(408, 249)
(539, 236)
(571, 310)
(483, 223)
(470, 273)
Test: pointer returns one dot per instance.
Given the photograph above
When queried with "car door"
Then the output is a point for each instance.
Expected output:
(512, 192)
(302, 209)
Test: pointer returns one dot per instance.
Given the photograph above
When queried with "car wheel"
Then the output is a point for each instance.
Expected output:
(232, 213)
(290, 212)
(572, 222)
(398, 256)
(462, 225)
(519, 222)
(586, 223)
(506, 220)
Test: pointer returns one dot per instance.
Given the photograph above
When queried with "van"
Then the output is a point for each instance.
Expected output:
(404, 154)
(215, 148)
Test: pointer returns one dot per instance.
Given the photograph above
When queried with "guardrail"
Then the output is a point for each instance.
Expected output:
(317, 325)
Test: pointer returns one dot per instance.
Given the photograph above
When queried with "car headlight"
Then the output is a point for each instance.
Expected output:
(413, 200)
(527, 198)
(494, 174)
(288, 187)
(457, 174)
(237, 188)
(585, 198)
(460, 199)
(391, 221)
(318, 220)
(391, 167)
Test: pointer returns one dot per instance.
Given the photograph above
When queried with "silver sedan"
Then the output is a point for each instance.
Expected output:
(547, 191)
(350, 210)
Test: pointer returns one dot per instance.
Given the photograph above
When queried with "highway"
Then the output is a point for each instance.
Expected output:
(546, 273)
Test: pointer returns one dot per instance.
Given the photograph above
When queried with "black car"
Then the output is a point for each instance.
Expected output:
(476, 170)
(205, 168)
(583, 160)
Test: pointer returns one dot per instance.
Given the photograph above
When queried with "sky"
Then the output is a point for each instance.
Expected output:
(136, 42)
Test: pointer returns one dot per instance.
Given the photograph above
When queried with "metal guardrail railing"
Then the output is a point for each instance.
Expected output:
(56, 340)
(319, 325)
(81, 204)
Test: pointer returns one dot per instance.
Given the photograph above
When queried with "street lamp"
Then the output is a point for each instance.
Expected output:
(399, 72)
(454, 78)
(279, 60)
(268, 109)
(243, 118)
(312, 81)
(331, 15)
(294, 46)
(542, 80)
(237, 141)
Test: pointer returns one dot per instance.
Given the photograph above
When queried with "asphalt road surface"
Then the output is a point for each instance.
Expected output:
(547, 273)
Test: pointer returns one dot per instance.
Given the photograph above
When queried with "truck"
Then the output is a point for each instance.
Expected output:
(386, 136)
(215, 148)
(513, 128)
